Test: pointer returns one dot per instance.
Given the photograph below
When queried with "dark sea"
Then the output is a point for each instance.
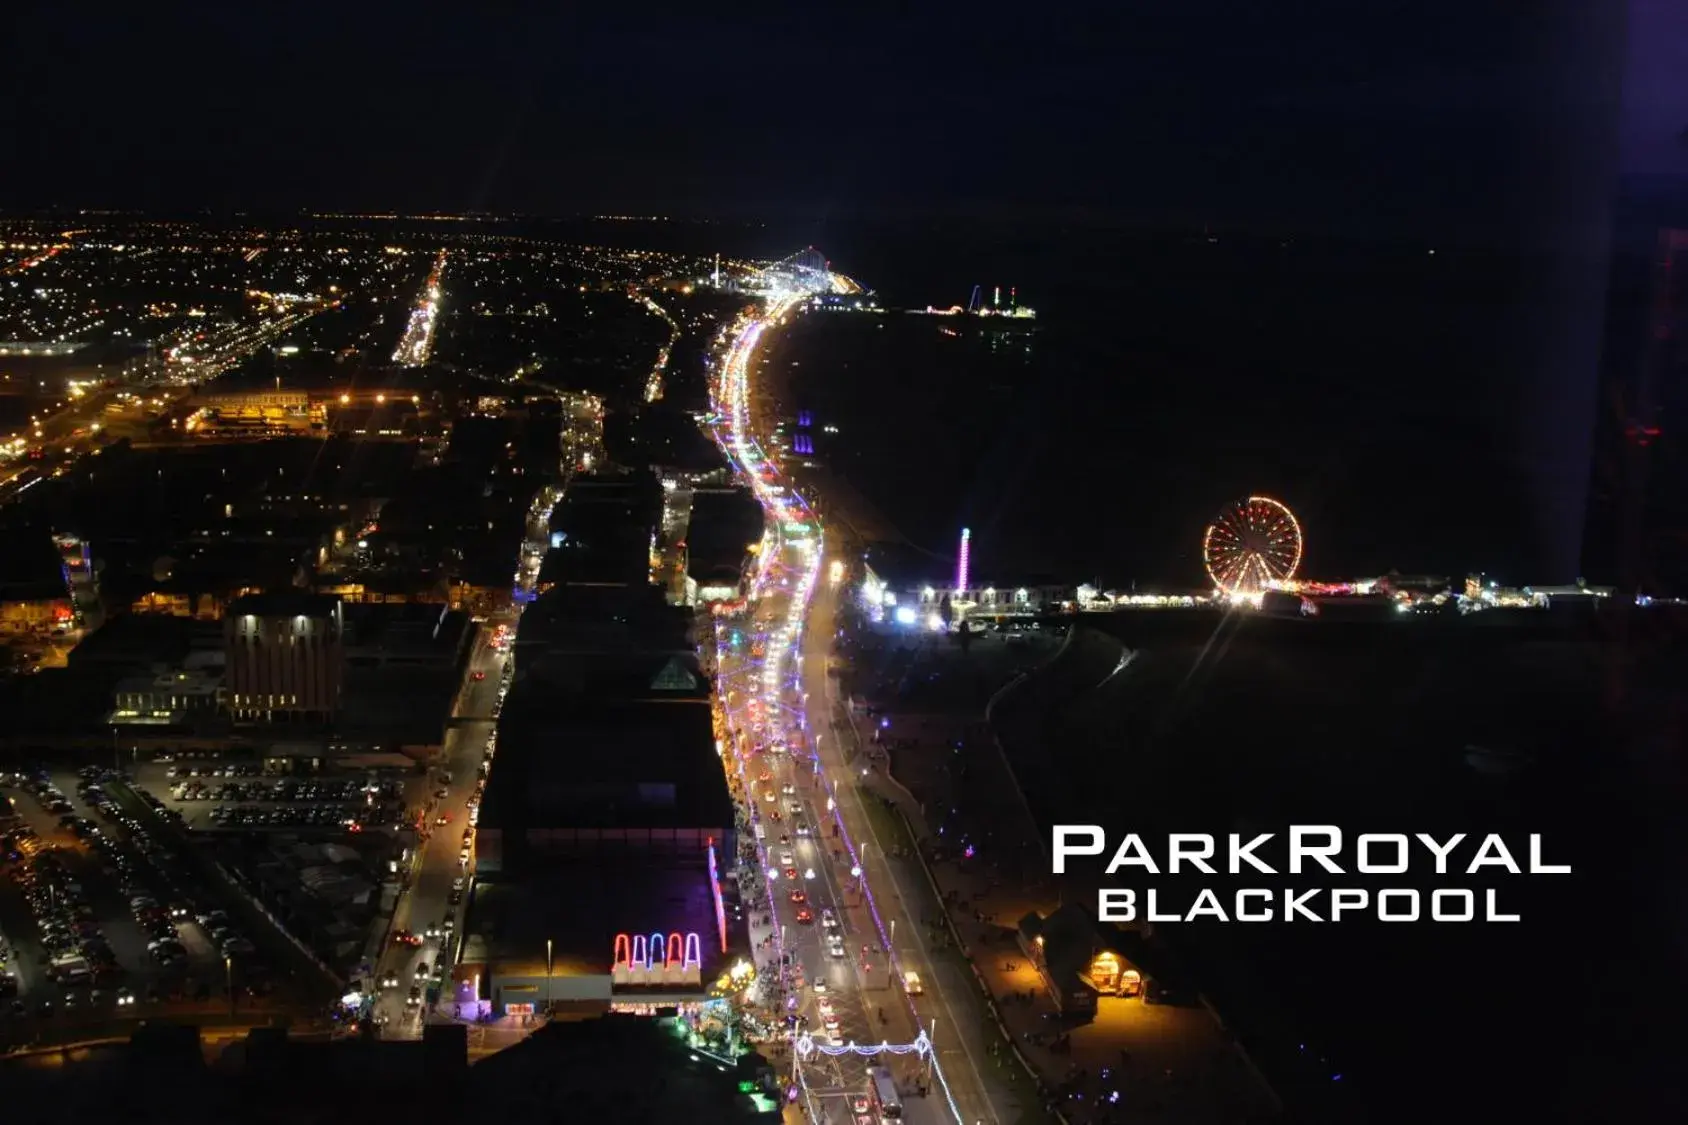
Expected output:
(1419, 411)
(1385, 391)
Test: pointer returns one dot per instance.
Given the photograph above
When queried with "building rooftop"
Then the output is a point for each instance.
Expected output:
(284, 603)
(397, 703)
(603, 618)
(600, 503)
(724, 526)
(617, 556)
(147, 642)
(632, 747)
(404, 633)
(580, 907)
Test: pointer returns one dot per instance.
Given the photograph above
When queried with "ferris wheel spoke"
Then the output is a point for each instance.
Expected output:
(1252, 545)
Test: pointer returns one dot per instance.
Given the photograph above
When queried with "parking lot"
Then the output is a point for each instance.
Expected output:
(213, 795)
(102, 919)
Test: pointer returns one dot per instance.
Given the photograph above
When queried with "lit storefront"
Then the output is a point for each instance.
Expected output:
(1076, 962)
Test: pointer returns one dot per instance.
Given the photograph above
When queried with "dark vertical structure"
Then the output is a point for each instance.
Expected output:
(1637, 527)
(1570, 76)
(1638, 512)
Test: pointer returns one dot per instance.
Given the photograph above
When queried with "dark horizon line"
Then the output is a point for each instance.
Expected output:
(999, 218)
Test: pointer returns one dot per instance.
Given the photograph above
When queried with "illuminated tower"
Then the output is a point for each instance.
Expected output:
(961, 561)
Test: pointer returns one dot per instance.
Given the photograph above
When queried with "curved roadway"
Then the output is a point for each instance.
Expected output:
(833, 904)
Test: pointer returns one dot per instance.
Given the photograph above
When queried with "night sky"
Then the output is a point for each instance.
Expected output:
(1388, 114)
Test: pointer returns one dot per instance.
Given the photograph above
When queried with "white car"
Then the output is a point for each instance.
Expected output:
(836, 951)
(787, 859)
(789, 790)
(828, 918)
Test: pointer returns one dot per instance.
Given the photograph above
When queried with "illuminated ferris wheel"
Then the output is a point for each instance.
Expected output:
(1252, 544)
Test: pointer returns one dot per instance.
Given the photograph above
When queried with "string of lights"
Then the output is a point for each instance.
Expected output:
(806, 1045)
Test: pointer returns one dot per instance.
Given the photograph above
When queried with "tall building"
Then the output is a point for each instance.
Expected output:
(285, 657)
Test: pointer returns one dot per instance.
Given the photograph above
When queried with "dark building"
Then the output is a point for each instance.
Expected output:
(610, 758)
(601, 842)
(610, 1069)
(285, 657)
(725, 525)
(601, 502)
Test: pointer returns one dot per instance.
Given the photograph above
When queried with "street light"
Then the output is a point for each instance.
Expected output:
(228, 979)
(547, 976)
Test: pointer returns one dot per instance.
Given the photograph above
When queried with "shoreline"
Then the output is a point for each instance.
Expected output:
(981, 901)
(831, 495)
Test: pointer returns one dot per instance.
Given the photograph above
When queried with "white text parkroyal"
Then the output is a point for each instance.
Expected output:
(1374, 853)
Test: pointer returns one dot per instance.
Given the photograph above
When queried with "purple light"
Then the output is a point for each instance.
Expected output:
(963, 559)
(715, 888)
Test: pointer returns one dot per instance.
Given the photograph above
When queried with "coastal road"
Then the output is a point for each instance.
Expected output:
(786, 637)
(949, 1005)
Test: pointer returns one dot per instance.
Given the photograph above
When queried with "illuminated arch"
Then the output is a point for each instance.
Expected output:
(641, 952)
(623, 951)
(694, 952)
(658, 948)
(676, 950)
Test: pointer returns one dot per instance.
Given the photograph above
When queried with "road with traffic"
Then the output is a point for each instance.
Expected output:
(420, 949)
(418, 953)
(836, 913)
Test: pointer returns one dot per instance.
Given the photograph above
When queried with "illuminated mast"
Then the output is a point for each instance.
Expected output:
(961, 561)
